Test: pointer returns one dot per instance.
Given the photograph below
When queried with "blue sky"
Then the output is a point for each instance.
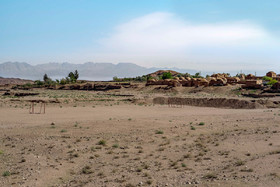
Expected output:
(205, 35)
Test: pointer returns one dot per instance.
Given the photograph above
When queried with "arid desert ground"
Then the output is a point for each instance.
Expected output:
(122, 138)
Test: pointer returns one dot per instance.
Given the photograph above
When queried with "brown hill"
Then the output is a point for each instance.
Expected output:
(4, 81)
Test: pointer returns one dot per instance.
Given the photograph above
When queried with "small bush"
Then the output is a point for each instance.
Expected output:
(201, 123)
(265, 78)
(210, 176)
(115, 146)
(63, 130)
(239, 163)
(166, 75)
(1, 152)
(6, 174)
(159, 132)
(192, 128)
(102, 142)
(272, 82)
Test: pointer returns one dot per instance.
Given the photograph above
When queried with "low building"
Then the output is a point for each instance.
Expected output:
(253, 84)
(250, 77)
(271, 74)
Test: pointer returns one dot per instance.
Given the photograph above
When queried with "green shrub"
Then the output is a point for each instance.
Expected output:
(201, 123)
(239, 163)
(166, 75)
(102, 142)
(63, 81)
(272, 82)
(6, 173)
(265, 78)
(159, 132)
(39, 83)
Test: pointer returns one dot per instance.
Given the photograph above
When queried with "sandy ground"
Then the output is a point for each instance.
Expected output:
(106, 142)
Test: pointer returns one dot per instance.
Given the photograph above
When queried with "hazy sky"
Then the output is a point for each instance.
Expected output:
(207, 35)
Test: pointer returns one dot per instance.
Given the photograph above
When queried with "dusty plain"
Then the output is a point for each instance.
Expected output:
(121, 138)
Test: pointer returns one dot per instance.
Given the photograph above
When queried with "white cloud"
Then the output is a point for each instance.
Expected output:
(161, 38)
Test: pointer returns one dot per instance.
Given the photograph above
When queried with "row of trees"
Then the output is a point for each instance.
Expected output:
(71, 78)
(137, 79)
(165, 75)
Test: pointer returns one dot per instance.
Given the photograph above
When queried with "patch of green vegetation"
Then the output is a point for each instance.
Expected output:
(167, 75)
(192, 128)
(253, 91)
(272, 82)
(159, 132)
(6, 174)
(63, 130)
(102, 142)
(201, 123)
(265, 78)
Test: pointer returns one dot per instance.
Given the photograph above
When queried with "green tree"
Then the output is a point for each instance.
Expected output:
(63, 81)
(76, 75)
(265, 78)
(272, 82)
(71, 76)
(116, 79)
(39, 83)
(197, 75)
(46, 78)
(166, 75)
(187, 75)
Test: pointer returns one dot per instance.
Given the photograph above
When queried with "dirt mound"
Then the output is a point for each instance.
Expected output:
(215, 102)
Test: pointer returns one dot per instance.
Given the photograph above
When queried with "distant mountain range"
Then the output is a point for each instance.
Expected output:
(87, 71)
